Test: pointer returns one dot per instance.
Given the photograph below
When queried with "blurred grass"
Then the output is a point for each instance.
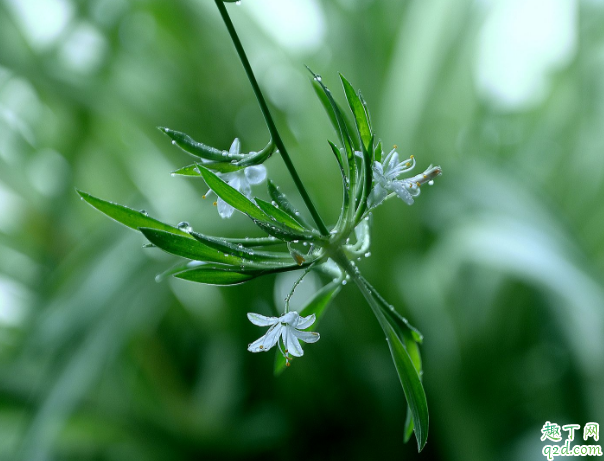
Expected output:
(499, 265)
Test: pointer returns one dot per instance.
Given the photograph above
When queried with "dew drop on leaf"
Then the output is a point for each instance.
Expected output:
(184, 226)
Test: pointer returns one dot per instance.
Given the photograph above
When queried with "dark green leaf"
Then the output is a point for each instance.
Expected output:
(377, 153)
(342, 127)
(250, 242)
(360, 115)
(215, 276)
(281, 216)
(197, 149)
(256, 158)
(367, 169)
(239, 250)
(221, 167)
(129, 217)
(188, 247)
(408, 431)
(282, 201)
(412, 386)
(345, 184)
(232, 196)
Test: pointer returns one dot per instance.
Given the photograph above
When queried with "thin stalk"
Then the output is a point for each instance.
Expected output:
(269, 119)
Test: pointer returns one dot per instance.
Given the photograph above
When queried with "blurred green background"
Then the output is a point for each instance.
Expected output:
(500, 264)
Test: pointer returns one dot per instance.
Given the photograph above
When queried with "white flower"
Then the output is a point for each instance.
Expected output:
(242, 180)
(386, 179)
(287, 327)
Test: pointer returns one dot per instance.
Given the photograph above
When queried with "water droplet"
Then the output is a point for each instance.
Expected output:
(224, 153)
(273, 203)
(318, 78)
(185, 226)
(297, 213)
(251, 253)
(144, 212)
(344, 282)
(173, 142)
(240, 246)
(238, 2)
(430, 183)
(368, 254)
(172, 174)
(296, 241)
(305, 243)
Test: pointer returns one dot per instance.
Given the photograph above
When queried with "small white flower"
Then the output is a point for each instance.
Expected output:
(241, 180)
(386, 179)
(287, 327)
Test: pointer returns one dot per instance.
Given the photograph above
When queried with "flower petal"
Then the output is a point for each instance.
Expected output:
(402, 192)
(264, 343)
(292, 345)
(235, 147)
(377, 196)
(307, 336)
(255, 174)
(304, 322)
(224, 209)
(291, 318)
(261, 320)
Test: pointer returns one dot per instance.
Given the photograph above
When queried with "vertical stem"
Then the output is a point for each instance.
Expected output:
(269, 119)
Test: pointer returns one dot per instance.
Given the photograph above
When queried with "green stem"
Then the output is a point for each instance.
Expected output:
(269, 119)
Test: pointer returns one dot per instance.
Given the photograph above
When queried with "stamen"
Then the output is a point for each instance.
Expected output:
(260, 347)
(215, 203)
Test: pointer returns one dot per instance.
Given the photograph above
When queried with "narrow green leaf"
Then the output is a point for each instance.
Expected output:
(327, 105)
(396, 319)
(197, 149)
(283, 202)
(345, 185)
(239, 250)
(282, 232)
(232, 196)
(367, 170)
(377, 153)
(317, 305)
(256, 158)
(215, 276)
(412, 386)
(343, 131)
(188, 247)
(408, 431)
(250, 242)
(360, 115)
(401, 337)
(281, 216)
(220, 167)
(129, 217)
